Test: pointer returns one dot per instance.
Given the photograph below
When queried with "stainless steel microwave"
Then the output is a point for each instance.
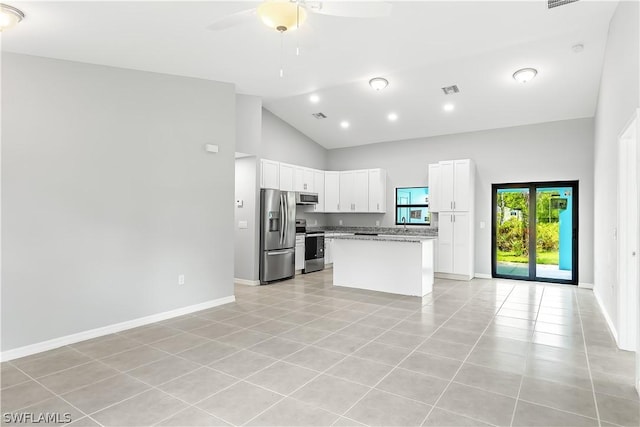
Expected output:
(306, 198)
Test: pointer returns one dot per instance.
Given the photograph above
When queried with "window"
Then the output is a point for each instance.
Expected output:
(412, 206)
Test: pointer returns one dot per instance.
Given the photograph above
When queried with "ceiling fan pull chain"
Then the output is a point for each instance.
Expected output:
(298, 28)
(281, 54)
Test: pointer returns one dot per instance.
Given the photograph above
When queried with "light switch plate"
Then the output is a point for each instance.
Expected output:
(243, 224)
(239, 203)
(482, 224)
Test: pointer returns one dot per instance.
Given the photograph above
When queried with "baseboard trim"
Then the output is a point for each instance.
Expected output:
(583, 285)
(482, 276)
(110, 329)
(610, 323)
(246, 282)
(452, 276)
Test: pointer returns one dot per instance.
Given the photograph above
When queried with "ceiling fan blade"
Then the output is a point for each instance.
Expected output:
(233, 20)
(370, 9)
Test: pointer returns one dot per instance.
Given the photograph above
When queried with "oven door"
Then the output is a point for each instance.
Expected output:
(314, 253)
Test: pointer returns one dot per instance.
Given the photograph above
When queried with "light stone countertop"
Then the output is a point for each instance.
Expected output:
(386, 238)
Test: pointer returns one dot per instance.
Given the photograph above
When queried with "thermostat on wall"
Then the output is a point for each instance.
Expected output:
(211, 148)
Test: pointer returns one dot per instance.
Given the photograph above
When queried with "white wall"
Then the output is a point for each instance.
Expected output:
(617, 101)
(552, 151)
(108, 195)
(284, 143)
(246, 239)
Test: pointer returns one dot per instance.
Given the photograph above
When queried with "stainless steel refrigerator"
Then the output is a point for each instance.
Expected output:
(277, 235)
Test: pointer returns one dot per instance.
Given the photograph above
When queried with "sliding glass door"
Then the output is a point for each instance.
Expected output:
(534, 231)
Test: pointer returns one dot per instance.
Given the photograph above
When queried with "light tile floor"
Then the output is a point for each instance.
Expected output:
(302, 352)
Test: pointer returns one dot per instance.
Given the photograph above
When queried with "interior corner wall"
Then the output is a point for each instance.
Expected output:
(284, 143)
(618, 100)
(246, 238)
(108, 195)
(248, 141)
(552, 151)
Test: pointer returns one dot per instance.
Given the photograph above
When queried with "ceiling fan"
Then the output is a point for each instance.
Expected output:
(288, 15)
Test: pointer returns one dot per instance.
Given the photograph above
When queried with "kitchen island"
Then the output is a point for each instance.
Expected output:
(387, 263)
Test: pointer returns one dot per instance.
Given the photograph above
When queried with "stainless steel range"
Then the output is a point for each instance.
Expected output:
(313, 247)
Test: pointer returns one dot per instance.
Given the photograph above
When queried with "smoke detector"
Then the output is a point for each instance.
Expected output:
(450, 90)
(319, 116)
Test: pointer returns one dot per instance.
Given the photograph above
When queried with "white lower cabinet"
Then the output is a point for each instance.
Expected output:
(300, 247)
(455, 251)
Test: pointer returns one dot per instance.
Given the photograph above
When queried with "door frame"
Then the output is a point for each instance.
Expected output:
(627, 266)
(532, 187)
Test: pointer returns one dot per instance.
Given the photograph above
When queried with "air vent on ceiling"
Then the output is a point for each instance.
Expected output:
(555, 3)
(450, 90)
(319, 116)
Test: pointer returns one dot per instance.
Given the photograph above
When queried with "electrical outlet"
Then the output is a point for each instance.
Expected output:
(181, 279)
(482, 224)
(377, 223)
(340, 222)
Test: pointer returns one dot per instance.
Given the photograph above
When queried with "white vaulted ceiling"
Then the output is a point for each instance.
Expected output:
(420, 48)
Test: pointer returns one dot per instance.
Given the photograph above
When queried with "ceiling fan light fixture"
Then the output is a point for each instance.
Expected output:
(378, 83)
(282, 15)
(9, 16)
(525, 75)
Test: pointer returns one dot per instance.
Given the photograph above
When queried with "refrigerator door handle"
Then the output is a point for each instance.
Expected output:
(281, 219)
(285, 222)
(280, 252)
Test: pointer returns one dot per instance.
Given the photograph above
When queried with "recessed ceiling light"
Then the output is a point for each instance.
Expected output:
(378, 83)
(344, 124)
(392, 117)
(448, 107)
(314, 98)
(9, 16)
(525, 75)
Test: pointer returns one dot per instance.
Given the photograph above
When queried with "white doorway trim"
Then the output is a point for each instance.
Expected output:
(628, 237)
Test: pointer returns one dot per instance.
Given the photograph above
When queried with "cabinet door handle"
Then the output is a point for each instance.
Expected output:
(451, 205)
(454, 205)
(451, 218)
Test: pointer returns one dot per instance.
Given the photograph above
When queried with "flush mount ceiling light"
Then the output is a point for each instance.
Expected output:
(525, 75)
(9, 16)
(282, 15)
(392, 117)
(344, 124)
(448, 107)
(378, 83)
(314, 98)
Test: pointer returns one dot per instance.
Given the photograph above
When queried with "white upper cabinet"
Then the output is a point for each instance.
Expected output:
(354, 191)
(287, 177)
(377, 190)
(347, 187)
(451, 186)
(269, 174)
(332, 191)
(434, 187)
(318, 187)
(304, 179)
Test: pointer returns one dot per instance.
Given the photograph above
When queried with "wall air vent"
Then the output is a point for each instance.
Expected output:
(319, 116)
(450, 90)
(555, 3)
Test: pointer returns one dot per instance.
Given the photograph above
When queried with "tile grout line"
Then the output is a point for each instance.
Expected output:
(413, 351)
(336, 363)
(410, 313)
(586, 352)
(526, 360)
(467, 357)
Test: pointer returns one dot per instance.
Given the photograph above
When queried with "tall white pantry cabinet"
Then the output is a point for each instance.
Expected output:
(452, 197)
